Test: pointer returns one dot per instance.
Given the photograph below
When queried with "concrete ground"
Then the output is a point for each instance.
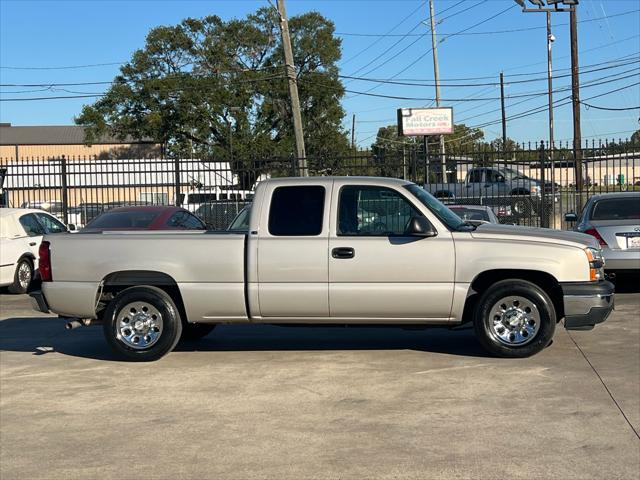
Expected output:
(270, 402)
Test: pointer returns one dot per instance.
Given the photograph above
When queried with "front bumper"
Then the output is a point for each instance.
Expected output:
(587, 304)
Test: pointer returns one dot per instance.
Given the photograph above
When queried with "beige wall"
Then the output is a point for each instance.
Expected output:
(8, 152)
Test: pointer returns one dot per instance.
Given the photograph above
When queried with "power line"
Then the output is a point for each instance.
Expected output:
(466, 99)
(585, 69)
(560, 102)
(609, 108)
(468, 85)
(382, 37)
(431, 49)
(513, 30)
(66, 67)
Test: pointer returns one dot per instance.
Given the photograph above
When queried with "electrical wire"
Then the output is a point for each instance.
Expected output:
(609, 108)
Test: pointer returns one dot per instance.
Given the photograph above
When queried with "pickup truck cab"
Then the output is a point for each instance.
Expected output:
(329, 250)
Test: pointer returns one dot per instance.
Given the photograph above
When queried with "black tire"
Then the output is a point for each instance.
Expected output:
(156, 300)
(22, 276)
(192, 332)
(488, 324)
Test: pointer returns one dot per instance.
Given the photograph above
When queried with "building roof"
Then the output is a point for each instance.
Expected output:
(54, 135)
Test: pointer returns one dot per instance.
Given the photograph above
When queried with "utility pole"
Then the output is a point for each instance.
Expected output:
(504, 115)
(436, 75)
(550, 40)
(293, 91)
(575, 95)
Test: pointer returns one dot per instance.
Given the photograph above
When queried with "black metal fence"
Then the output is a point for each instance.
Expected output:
(526, 186)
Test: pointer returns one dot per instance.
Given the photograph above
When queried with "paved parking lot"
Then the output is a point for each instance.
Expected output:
(269, 402)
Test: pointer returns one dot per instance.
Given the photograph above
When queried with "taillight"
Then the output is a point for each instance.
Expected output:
(44, 262)
(594, 233)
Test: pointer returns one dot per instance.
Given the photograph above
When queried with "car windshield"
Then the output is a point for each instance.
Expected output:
(140, 219)
(439, 209)
(471, 213)
(616, 209)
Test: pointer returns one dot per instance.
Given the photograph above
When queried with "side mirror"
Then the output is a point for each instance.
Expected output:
(71, 227)
(570, 217)
(420, 227)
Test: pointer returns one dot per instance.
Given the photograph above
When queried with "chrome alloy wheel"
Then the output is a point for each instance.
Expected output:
(139, 325)
(24, 275)
(514, 320)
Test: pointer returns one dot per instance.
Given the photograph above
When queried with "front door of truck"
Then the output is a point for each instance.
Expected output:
(375, 269)
(293, 267)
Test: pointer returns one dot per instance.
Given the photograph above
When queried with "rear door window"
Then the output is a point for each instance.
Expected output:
(51, 225)
(31, 225)
(297, 211)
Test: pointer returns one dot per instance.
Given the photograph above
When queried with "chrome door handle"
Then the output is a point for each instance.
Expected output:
(343, 252)
(32, 244)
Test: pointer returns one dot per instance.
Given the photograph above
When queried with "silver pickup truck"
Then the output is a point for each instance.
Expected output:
(329, 250)
(497, 186)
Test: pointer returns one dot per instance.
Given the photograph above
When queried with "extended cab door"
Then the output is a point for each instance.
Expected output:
(375, 269)
(292, 247)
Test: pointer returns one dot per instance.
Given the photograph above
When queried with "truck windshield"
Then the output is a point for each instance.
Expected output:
(511, 174)
(439, 209)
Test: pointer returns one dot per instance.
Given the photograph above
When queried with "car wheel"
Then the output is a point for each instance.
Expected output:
(142, 324)
(23, 276)
(196, 331)
(514, 318)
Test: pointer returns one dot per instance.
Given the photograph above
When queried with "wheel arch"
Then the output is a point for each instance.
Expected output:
(28, 255)
(545, 281)
(115, 282)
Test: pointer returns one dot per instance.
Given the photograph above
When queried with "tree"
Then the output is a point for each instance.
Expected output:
(217, 90)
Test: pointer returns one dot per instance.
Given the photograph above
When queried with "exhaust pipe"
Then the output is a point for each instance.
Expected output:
(76, 322)
(73, 324)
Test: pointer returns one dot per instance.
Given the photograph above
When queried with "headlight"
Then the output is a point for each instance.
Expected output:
(535, 189)
(596, 263)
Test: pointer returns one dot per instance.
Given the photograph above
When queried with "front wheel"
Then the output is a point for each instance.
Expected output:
(142, 324)
(514, 318)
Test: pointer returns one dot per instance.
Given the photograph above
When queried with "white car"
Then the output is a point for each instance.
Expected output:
(21, 231)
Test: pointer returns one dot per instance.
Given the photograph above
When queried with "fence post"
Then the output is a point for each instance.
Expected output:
(65, 188)
(543, 214)
(176, 177)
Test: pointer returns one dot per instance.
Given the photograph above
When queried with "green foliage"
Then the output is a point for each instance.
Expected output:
(217, 90)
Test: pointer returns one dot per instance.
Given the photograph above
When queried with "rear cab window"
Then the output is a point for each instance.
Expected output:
(297, 211)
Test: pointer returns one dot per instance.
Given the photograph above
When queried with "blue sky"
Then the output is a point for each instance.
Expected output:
(70, 33)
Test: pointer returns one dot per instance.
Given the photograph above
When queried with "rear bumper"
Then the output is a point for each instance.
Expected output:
(621, 259)
(587, 303)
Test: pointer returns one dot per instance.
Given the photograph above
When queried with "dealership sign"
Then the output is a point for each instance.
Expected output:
(425, 121)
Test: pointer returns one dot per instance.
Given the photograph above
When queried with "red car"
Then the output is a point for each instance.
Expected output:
(150, 217)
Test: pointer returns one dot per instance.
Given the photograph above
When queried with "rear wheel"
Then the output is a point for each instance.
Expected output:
(22, 277)
(142, 324)
(514, 318)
